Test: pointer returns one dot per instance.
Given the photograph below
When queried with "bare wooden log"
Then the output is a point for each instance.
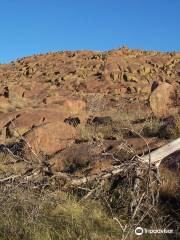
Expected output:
(109, 173)
(155, 158)
(159, 154)
(12, 177)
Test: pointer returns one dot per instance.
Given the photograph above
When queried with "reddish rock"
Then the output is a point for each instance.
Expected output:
(50, 137)
(162, 100)
(74, 106)
(49, 88)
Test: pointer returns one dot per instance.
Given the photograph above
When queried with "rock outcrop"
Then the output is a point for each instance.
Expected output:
(49, 138)
(48, 99)
(163, 100)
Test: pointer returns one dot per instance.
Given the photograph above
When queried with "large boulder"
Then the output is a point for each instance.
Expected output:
(163, 100)
(50, 138)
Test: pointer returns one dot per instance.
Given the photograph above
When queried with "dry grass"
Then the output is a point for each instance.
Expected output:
(170, 183)
(175, 132)
(92, 132)
(26, 215)
(147, 127)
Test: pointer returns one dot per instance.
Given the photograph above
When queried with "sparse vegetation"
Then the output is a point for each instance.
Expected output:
(89, 133)
(50, 214)
(30, 215)
(73, 138)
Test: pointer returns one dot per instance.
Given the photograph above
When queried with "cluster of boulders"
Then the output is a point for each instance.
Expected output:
(45, 98)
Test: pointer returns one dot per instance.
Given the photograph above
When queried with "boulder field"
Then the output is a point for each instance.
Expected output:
(40, 96)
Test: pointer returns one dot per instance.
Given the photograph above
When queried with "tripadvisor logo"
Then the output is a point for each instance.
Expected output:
(139, 231)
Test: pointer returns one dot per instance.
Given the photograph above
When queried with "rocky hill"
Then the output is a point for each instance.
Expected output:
(47, 89)
(83, 115)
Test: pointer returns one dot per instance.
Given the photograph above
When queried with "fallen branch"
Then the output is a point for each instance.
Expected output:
(12, 177)
(104, 175)
(159, 154)
(156, 157)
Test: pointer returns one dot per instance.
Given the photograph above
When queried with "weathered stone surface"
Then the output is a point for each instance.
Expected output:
(163, 99)
(50, 137)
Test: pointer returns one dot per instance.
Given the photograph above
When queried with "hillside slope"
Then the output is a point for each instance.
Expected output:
(68, 122)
